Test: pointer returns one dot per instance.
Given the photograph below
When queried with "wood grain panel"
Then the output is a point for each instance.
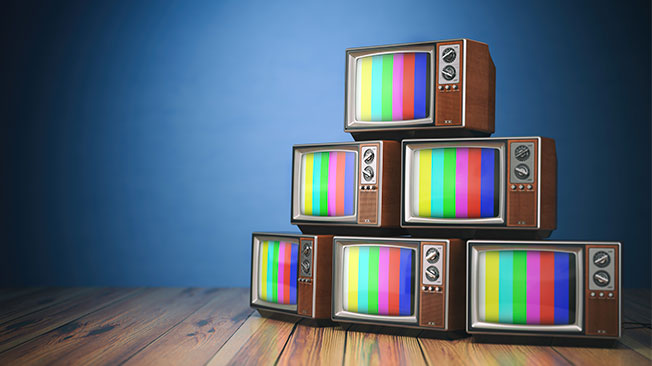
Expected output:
(323, 277)
(620, 355)
(601, 313)
(480, 88)
(31, 302)
(310, 345)
(25, 328)
(548, 184)
(368, 207)
(111, 335)
(391, 185)
(195, 340)
(381, 349)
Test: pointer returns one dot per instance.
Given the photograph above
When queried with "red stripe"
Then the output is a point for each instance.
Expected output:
(286, 272)
(408, 86)
(339, 184)
(547, 297)
(475, 177)
(394, 284)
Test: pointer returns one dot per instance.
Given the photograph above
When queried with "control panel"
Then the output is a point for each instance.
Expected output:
(368, 164)
(602, 290)
(306, 258)
(433, 299)
(431, 264)
(601, 269)
(522, 163)
(522, 198)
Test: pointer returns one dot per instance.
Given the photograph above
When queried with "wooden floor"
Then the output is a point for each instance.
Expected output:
(160, 326)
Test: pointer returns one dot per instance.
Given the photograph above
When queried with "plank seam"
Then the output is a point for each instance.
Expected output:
(425, 360)
(287, 341)
(227, 340)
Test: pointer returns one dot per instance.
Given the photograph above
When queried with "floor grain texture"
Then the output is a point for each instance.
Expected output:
(191, 326)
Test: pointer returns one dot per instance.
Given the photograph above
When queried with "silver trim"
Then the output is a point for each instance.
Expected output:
(539, 188)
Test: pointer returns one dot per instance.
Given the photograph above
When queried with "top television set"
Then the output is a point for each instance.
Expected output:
(425, 89)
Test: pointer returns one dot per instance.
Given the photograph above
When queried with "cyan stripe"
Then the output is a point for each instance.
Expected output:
(316, 179)
(437, 184)
(270, 269)
(376, 88)
(506, 287)
(363, 280)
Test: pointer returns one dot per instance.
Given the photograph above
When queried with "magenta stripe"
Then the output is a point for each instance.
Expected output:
(383, 281)
(533, 290)
(281, 282)
(397, 88)
(462, 183)
(332, 183)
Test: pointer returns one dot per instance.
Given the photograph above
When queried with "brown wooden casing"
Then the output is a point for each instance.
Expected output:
(314, 292)
(602, 313)
(433, 300)
(522, 199)
(386, 192)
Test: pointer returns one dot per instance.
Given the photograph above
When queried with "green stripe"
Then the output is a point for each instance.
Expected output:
(450, 162)
(374, 253)
(388, 79)
(519, 296)
(275, 246)
(323, 185)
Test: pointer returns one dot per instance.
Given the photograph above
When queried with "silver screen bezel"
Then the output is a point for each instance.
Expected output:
(255, 263)
(412, 147)
(351, 75)
(338, 261)
(473, 290)
(298, 152)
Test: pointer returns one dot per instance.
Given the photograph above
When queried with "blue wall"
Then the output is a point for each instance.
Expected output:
(123, 123)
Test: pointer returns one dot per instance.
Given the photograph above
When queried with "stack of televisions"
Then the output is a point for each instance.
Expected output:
(424, 222)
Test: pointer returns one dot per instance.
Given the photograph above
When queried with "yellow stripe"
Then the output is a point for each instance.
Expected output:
(353, 278)
(491, 286)
(365, 90)
(425, 177)
(263, 271)
(307, 210)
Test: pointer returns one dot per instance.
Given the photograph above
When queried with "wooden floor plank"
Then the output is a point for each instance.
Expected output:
(602, 356)
(381, 349)
(259, 341)
(636, 307)
(639, 340)
(312, 345)
(31, 302)
(195, 340)
(469, 351)
(113, 334)
(21, 330)
(7, 293)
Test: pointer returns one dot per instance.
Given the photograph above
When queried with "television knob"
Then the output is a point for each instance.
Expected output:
(449, 55)
(455, 87)
(369, 156)
(441, 87)
(432, 255)
(449, 72)
(368, 173)
(448, 87)
(432, 273)
(522, 171)
(305, 266)
(522, 152)
(307, 250)
(601, 259)
(601, 278)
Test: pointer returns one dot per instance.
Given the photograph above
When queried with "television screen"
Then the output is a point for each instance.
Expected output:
(456, 183)
(328, 183)
(277, 272)
(378, 280)
(392, 87)
(528, 287)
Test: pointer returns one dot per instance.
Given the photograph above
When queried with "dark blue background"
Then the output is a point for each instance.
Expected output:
(143, 142)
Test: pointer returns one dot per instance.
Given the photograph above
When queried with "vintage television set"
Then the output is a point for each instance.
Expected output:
(425, 89)
(291, 274)
(544, 288)
(503, 187)
(352, 186)
(400, 282)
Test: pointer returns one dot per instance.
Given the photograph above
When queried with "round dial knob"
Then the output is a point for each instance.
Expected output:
(369, 156)
(601, 278)
(306, 250)
(368, 173)
(449, 54)
(521, 171)
(449, 72)
(432, 255)
(305, 266)
(522, 152)
(601, 259)
(432, 273)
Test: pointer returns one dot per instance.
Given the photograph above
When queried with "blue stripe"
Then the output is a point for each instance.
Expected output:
(316, 174)
(506, 286)
(363, 280)
(487, 171)
(376, 88)
(437, 184)
(405, 283)
(420, 66)
(561, 287)
(349, 165)
(293, 273)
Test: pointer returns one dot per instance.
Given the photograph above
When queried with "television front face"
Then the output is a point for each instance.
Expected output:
(490, 183)
(538, 288)
(396, 282)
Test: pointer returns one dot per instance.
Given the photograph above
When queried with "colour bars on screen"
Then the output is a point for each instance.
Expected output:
(527, 287)
(378, 280)
(456, 183)
(278, 272)
(327, 183)
(391, 87)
